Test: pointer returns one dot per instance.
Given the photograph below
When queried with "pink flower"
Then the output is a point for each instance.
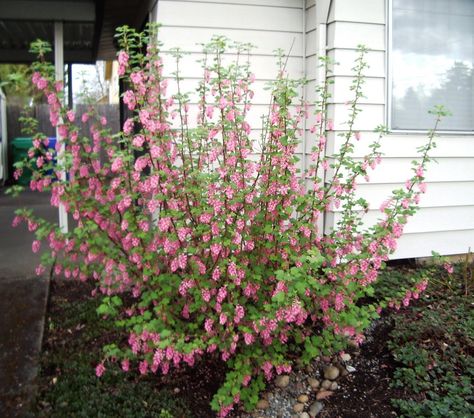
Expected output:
(117, 164)
(125, 365)
(143, 367)
(231, 116)
(209, 111)
(16, 221)
(128, 126)
(123, 58)
(206, 295)
(71, 115)
(138, 141)
(36, 246)
(208, 323)
(100, 369)
(42, 83)
(239, 313)
(129, 99)
(339, 302)
(40, 270)
(448, 267)
(248, 338)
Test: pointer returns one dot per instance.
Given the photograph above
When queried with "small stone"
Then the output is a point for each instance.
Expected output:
(309, 368)
(282, 381)
(326, 359)
(262, 404)
(314, 383)
(298, 407)
(326, 384)
(334, 386)
(324, 394)
(346, 357)
(350, 369)
(304, 415)
(331, 373)
(300, 387)
(176, 390)
(315, 409)
(303, 398)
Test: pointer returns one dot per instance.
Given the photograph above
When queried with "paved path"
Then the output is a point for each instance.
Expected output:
(23, 299)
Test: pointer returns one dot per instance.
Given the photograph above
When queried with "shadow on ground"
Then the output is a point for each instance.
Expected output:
(23, 299)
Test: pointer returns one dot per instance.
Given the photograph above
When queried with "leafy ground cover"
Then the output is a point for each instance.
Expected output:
(433, 343)
(418, 362)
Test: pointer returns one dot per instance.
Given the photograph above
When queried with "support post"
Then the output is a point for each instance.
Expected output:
(69, 86)
(59, 69)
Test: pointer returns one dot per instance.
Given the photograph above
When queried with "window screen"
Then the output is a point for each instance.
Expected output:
(431, 61)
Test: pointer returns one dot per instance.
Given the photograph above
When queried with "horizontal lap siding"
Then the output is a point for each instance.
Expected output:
(266, 24)
(445, 222)
(310, 69)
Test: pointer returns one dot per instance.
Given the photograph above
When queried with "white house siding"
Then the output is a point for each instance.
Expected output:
(267, 24)
(445, 222)
(306, 29)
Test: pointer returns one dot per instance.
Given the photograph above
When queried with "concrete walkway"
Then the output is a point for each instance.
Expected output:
(23, 298)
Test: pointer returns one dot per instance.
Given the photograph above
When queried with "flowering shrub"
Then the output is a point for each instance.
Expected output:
(202, 234)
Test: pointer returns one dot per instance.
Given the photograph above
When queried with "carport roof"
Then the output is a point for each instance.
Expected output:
(89, 26)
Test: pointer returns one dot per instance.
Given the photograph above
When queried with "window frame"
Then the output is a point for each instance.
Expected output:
(389, 81)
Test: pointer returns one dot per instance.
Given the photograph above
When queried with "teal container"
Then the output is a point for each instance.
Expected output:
(20, 147)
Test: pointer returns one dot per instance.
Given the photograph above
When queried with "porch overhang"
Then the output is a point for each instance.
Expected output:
(88, 26)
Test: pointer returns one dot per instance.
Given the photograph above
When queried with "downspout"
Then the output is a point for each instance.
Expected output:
(303, 95)
(322, 17)
(59, 71)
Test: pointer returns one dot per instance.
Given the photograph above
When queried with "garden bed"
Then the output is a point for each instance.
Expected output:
(423, 356)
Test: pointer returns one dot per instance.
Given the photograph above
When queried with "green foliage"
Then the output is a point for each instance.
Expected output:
(433, 341)
(69, 389)
(211, 239)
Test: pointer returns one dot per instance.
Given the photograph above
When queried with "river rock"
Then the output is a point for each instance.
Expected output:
(331, 373)
(334, 386)
(298, 407)
(350, 369)
(315, 408)
(314, 383)
(324, 394)
(345, 357)
(303, 398)
(326, 384)
(262, 404)
(282, 381)
(304, 415)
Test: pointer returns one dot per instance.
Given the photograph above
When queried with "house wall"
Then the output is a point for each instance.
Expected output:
(306, 29)
(445, 222)
(267, 24)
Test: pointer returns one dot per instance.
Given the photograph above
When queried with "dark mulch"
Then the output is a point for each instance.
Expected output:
(366, 393)
(73, 326)
(187, 390)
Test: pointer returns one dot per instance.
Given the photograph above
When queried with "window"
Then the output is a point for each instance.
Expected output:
(431, 63)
